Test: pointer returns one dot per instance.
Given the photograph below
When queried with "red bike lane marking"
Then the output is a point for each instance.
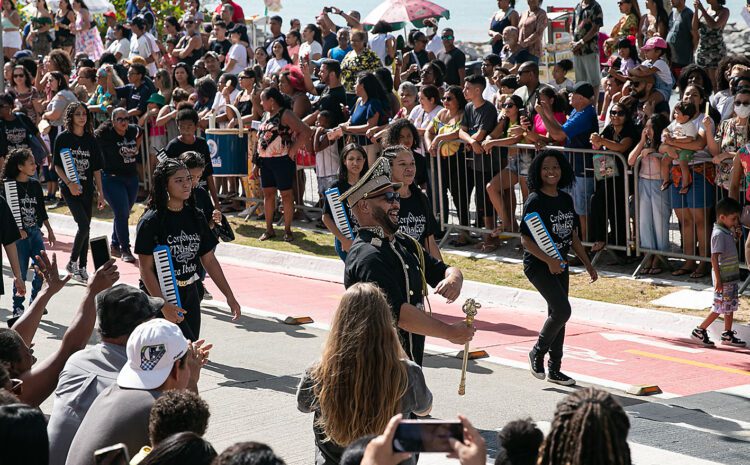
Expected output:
(506, 333)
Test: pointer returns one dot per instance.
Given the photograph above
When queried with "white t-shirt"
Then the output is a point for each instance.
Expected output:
(663, 71)
(489, 91)
(306, 51)
(144, 47)
(238, 53)
(377, 44)
(122, 46)
(682, 129)
(566, 84)
(274, 66)
(220, 105)
(435, 45)
(423, 120)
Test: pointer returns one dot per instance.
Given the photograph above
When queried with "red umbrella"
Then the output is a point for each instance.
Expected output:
(398, 13)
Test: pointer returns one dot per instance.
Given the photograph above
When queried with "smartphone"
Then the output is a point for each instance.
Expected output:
(255, 125)
(99, 251)
(40, 58)
(427, 435)
(112, 455)
(400, 54)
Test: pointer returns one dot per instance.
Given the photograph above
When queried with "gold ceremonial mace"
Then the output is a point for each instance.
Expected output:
(470, 309)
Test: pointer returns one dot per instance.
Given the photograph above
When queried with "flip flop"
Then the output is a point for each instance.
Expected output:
(644, 271)
(288, 237)
(682, 272)
(655, 271)
(266, 236)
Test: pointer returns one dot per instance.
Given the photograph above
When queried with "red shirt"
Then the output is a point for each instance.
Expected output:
(238, 16)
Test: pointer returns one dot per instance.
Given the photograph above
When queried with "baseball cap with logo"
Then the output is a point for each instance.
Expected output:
(152, 349)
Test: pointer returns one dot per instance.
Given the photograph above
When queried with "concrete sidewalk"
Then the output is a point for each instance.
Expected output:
(327, 269)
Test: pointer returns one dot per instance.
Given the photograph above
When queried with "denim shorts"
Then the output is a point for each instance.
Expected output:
(583, 189)
(520, 163)
(700, 194)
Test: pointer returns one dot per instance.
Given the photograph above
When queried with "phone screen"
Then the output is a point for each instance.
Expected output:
(99, 251)
(113, 455)
(426, 435)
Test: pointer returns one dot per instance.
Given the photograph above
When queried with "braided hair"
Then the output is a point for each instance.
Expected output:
(589, 428)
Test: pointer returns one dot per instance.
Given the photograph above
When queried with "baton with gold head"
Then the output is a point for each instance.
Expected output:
(470, 309)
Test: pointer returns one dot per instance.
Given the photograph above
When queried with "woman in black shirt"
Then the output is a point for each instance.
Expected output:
(548, 174)
(415, 217)
(173, 220)
(78, 140)
(119, 143)
(620, 135)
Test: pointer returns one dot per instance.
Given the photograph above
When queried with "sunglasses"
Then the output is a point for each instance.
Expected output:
(509, 105)
(446, 37)
(189, 22)
(18, 75)
(742, 104)
(616, 113)
(390, 197)
(447, 98)
(121, 120)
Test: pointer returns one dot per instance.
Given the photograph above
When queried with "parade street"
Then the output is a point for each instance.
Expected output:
(703, 416)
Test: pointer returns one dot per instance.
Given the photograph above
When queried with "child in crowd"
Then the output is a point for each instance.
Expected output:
(679, 130)
(725, 273)
(21, 168)
(656, 53)
(326, 153)
(519, 443)
(559, 75)
(628, 55)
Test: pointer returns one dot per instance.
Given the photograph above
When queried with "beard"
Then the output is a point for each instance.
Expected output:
(385, 221)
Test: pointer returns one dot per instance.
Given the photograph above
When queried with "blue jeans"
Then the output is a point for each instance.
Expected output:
(654, 210)
(27, 249)
(120, 192)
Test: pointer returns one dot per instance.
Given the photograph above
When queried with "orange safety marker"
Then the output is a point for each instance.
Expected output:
(644, 389)
(298, 320)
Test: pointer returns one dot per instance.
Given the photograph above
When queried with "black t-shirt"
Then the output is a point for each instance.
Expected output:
(86, 155)
(421, 176)
(136, 97)
(474, 120)
(203, 202)
(332, 100)
(185, 232)
(415, 218)
(16, 134)
(329, 41)
(454, 60)
(416, 58)
(31, 200)
(220, 46)
(176, 147)
(558, 216)
(629, 130)
(7, 235)
(120, 153)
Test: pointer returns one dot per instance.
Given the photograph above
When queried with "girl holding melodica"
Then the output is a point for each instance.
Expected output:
(549, 173)
(77, 143)
(20, 169)
(172, 220)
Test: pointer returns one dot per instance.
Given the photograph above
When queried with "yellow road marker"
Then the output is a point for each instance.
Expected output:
(683, 361)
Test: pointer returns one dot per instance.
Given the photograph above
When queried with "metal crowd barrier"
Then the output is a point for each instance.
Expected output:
(465, 178)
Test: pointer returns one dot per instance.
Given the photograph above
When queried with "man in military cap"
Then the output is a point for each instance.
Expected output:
(398, 264)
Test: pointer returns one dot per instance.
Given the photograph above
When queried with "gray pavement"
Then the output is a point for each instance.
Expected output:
(256, 364)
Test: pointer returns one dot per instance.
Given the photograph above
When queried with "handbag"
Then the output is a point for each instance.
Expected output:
(223, 231)
(605, 167)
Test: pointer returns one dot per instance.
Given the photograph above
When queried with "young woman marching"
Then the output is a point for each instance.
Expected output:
(78, 139)
(173, 220)
(21, 168)
(549, 173)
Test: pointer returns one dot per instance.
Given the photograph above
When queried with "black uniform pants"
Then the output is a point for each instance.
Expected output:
(190, 298)
(554, 289)
(80, 207)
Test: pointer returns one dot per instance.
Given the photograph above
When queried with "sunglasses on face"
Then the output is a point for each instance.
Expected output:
(742, 104)
(121, 120)
(390, 197)
(446, 37)
(18, 75)
(508, 105)
(447, 98)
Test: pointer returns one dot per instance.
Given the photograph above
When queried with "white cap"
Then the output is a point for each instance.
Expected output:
(152, 349)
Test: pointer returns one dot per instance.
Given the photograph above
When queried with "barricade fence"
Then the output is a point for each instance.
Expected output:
(484, 193)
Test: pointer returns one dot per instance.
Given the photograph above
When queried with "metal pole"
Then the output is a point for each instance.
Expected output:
(2, 62)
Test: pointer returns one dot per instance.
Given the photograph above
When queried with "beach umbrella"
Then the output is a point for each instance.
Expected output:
(398, 13)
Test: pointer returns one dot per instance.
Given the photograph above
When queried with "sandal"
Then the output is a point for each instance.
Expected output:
(664, 185)
(488, 246)
(288, 237)
(699, 273)
(644, 271)
(267, 235)
(682, 271)
(655, 271)
(685, 189)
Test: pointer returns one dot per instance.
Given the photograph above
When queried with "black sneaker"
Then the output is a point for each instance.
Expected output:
(114, 251)
(127, 256)
(728, 338)
(700, 336)
(558, 377)
(536, 364)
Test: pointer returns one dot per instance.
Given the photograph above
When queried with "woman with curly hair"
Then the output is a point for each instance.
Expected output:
(77, 142)
(589, 427)
(363, 377)
(173, 220)
(550, 173)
